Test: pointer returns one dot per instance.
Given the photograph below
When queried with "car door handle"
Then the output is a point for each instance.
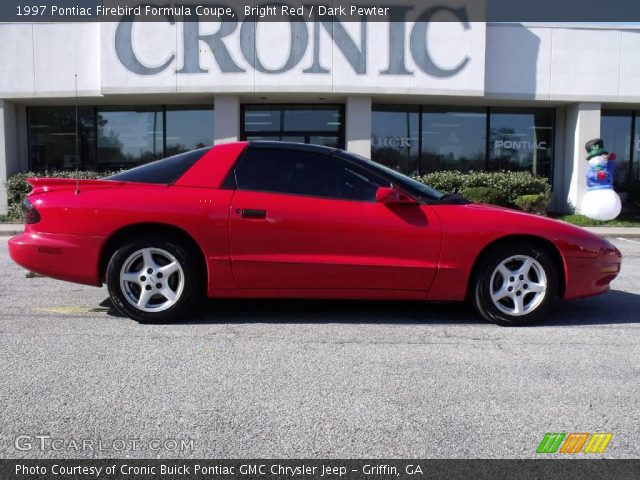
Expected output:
(252, 213)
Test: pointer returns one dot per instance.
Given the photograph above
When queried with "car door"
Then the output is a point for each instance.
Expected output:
(304, 219)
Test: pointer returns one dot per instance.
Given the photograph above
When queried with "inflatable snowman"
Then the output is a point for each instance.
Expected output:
(601, 202)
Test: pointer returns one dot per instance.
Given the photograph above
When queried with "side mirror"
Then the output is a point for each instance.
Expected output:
(391, 196)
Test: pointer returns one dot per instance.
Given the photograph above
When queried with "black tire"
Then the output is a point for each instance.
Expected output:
(191, 275)
(482, 286)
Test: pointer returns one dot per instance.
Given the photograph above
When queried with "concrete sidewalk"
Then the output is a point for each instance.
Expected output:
(10, 229)
(615, 231)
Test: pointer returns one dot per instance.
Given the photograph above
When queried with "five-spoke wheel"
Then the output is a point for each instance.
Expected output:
(518, 285)
(515, 284)
(153, 280)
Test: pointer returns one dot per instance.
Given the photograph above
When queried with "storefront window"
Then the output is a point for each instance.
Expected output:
(328, 141)
(423, 139)
(127, 138)
(114, 138)
(52, 138)
(395, 138)
(188, 128)
(635, 169)
(453, 139)
(615, 130)
(320, 124)
(521, 139)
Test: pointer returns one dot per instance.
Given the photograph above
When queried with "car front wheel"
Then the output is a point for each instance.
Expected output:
(515, 285)
(153, 281)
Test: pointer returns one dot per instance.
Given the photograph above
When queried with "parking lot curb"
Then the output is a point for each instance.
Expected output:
(10, 229)
(624, 232)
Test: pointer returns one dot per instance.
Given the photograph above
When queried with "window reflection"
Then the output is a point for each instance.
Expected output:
(328, 141)
(112, 138)
(521, 139)
(395, 137)
(316, 118)
(127, 138)
(188, 128)
(453, 139)
(635, 170)
(52, 138)
(615, 130)
(423, 139)
(292, 118)
(319, 124)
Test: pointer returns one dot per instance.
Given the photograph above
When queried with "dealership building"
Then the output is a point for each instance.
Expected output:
(419, 96)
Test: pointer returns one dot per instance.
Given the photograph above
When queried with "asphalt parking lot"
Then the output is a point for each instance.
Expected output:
(311, 379)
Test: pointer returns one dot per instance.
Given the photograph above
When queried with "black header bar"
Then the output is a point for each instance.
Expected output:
(271, 469)
(597, 12)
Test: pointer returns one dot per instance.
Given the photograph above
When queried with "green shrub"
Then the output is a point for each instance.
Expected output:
(17, 186)
(485, 195)
(511, 184)
(537, 204)
(448, 181)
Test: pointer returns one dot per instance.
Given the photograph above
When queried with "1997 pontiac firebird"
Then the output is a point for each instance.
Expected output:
(271, 219)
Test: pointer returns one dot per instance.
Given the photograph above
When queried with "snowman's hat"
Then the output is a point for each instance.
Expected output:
(594, 148)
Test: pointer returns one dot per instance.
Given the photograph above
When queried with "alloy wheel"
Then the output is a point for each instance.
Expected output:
(518, 285)
(152, 279)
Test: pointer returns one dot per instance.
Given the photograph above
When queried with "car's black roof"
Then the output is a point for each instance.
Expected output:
(305, 147)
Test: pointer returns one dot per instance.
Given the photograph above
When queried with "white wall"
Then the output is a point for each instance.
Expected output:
(40, 60)
(226, 121)
(17, 77)
(563, 64)
(504, 61)
(8, 149)
(582, 125)
(358, 125)
(44, 57)
(518, 61)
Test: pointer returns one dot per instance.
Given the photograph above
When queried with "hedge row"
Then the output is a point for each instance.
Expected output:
(499, 188)
(17, 186)
(510, 184)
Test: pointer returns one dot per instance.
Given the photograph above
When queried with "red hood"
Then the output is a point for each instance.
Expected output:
(492, 222)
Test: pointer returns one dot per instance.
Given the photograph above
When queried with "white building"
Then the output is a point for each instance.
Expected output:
(417, 96)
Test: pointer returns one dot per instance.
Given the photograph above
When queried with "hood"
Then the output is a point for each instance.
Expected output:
(492, 222)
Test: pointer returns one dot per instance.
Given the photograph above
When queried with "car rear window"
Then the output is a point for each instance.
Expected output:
(165, 171)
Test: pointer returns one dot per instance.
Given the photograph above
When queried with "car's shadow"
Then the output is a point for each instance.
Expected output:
(614, 307)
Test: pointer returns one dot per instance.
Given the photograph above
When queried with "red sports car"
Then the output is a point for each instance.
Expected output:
(271, 219)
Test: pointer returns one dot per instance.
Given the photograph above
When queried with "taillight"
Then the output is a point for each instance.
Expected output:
(29, 212)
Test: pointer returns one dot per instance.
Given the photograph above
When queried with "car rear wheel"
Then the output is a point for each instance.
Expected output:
(515, 284)
(153, 281)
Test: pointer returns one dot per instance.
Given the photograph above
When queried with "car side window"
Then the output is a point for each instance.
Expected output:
(299, 172)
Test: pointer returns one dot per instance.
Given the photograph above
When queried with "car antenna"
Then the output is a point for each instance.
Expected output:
(77, 155)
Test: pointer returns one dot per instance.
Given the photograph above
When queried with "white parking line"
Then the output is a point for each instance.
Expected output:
(627, 240)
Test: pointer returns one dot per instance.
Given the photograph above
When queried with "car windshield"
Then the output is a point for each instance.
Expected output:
(411, 186)
(165, 171)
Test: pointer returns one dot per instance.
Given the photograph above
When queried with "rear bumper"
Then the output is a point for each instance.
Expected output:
(72, 258)
(587, 276)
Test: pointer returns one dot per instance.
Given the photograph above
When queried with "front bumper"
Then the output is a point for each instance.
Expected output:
(587, 276)
(73, 258)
